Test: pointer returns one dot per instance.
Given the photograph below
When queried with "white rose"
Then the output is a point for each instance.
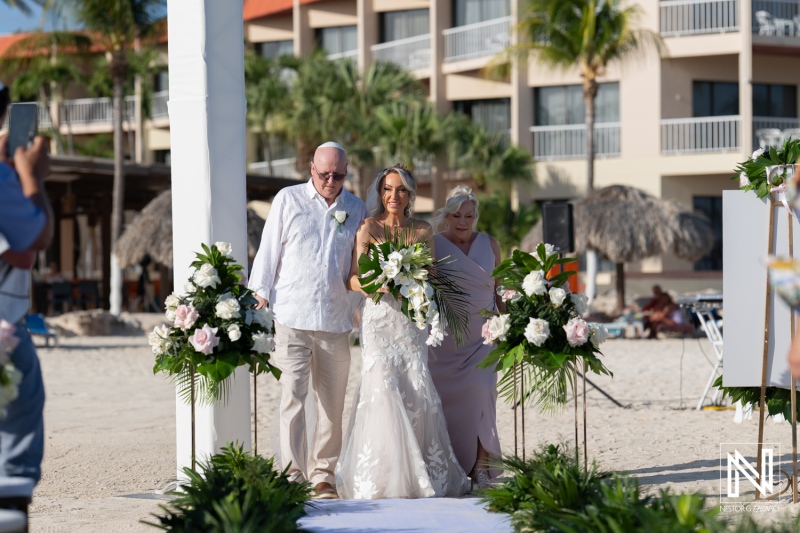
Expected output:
(207, 276)
(189, 287)
(498, 327)
(549, 250)
(340, 216)
(581, 302)
(263, 317)
(170, 314)
(757, 153)
(158, 339)
(224, 248)
(743, 180)
(234, 333)
(598, 334)
(263, 343)
(227, 306)
(557, 296)
(534, 283)
(537, 331)
(172, 302)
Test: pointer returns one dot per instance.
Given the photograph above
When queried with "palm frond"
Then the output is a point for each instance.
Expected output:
(545, 389)
(206, 391)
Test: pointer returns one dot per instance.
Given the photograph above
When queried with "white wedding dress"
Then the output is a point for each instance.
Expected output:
(397, 444)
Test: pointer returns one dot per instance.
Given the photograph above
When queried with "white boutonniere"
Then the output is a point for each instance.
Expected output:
(340, 217)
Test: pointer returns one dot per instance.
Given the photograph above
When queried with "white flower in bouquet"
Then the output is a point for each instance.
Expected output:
(170, 304)
(189, 287)
(224, 248)
(186, 316)
(534, 283)
(393, 265)
(206, 276)
(557, 296)
(496, 328)
(757, 153)
(419, 274)
(581, 302)
(227, 306)
(537, 331)
(577, 332)
(234, 333)
(159, 339)
(598, 334)
(263, 343)
(743, 180)
(437, 332)
(263, 317)
(9, 392)
(549, 250)
(8, 339)
(204, 339)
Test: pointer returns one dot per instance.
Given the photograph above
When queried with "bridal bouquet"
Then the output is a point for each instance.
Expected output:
(407, 270)
(543, 328)
(10, 377)
(214, 328)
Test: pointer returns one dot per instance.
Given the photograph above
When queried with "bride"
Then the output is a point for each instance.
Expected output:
(397, 444)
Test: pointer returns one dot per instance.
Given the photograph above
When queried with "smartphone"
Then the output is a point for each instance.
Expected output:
(23, 124)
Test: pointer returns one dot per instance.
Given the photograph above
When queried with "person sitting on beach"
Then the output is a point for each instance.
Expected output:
(659, 312)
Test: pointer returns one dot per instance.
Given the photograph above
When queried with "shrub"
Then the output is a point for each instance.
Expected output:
(236, 492)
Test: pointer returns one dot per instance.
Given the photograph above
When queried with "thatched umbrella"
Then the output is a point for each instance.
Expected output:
(150, 233)
(626, 224)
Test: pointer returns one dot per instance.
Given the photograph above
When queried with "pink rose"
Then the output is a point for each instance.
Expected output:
(204, 340)
(185, 316)
(8, 339)
(487, 337)
(577, 332)
(508, 295)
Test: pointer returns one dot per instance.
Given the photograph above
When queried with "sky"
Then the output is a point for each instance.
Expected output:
(13, 20)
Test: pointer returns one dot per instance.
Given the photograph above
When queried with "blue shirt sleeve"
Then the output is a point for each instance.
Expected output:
(21, 221)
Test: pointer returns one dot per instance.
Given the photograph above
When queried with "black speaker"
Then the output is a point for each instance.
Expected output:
(557, 226)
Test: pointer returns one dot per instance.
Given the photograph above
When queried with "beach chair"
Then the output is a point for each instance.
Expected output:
(765, 24)
(37, 326)
(15, 497)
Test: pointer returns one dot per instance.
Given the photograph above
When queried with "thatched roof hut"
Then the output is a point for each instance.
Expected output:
(626, 224)
(150, 233)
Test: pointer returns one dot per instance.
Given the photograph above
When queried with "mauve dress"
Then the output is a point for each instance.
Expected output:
(468, 394)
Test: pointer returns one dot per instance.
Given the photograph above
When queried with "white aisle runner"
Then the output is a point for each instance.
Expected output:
(451, 515)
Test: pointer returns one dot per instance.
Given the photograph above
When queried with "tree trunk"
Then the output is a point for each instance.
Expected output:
(119, 68)
(53, 121)
(620, 288)
(70, 140)
(589, 95)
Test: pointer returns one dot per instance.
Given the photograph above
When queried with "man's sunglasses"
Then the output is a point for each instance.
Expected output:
(334, 176)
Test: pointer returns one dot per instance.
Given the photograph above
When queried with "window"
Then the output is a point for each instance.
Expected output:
(564, 104)
(715, 99)
(494, 114)
(774, 100)
(397, 25)
(163, 156)
(275, 49)
(338, 39)
(711, 207)
(161, 81)
(473, 11)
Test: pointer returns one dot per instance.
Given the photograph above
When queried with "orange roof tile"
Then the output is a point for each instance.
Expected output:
(8, 40)
(254, 9)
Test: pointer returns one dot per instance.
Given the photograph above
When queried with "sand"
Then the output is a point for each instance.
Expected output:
(110, 427)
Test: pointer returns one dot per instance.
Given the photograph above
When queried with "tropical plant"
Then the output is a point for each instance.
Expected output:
(234, 491)
(754, 173)
(509, 227)
(22, 5)
(409, 132)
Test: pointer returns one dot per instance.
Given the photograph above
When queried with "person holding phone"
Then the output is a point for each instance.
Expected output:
(26, 226)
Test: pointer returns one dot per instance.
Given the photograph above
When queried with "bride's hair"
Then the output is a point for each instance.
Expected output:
(374, 201)
(457, 196)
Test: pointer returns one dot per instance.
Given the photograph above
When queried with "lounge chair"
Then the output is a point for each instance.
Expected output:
(16, 494)
(765, 24)
(37, 326)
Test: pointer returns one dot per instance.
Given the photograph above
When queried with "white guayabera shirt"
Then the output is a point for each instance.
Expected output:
(304, 259)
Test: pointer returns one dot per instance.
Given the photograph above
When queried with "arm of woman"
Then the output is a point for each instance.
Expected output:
(498, 258)
(361, 245)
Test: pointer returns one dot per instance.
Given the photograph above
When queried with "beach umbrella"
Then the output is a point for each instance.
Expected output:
(626, 224)
(150, 233)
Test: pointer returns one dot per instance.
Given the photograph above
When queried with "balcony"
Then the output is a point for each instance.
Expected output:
(773, 131)
(778, 18)
(569, 141)
(412, 53)
(281, 168)
(348, 54)
(696, 17)
(477, 40)
(700, 135)
(158, 109)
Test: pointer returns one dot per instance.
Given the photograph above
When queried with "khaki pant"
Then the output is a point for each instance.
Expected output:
(327, 356)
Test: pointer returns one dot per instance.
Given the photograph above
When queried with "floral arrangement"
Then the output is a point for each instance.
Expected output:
(542, 328)
(407, 270)
(10, 376)
(754, 175)
(215, 328)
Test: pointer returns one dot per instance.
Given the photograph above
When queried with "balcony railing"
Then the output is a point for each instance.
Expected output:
(772, 131)
(95, 110)
(281, 168)
(693, 17)
(699, 135)
(412, 53)
(348, 54)
(569, 141)
(776, 17)
(159, 104)
(477, 40)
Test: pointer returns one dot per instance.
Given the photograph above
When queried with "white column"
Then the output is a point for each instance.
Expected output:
(207, 129)
(746, 77)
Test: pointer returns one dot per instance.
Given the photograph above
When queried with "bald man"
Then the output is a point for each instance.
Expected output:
(300, 272)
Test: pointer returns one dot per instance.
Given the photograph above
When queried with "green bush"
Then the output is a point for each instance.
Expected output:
(235, 492)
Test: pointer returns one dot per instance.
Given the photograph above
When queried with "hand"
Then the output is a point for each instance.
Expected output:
(262, 303)
(34, 160)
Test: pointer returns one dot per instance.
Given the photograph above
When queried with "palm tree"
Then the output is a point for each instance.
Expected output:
(409, 132)
(509, 227)
(589, 35)
(22, 5)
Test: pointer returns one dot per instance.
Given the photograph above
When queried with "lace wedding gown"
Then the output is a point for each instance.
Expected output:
(397, 444)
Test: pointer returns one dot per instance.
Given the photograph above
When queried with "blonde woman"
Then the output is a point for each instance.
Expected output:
(469, 395)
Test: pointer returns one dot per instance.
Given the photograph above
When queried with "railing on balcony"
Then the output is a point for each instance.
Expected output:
(348, 54)
(772, 131)
(698, 135)
(95, 110)
(412, 53)
(569, 141)
(477, 40)
(158, 108)
(776, 17)
(281, 168)
(693, 17)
